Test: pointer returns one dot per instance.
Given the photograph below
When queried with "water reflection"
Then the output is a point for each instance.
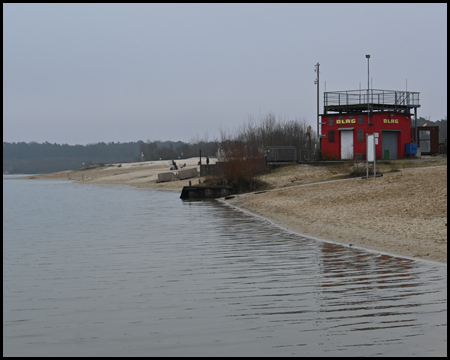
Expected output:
(351, 297)
(197, 278)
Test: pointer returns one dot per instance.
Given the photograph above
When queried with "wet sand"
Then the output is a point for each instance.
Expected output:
(403, 212)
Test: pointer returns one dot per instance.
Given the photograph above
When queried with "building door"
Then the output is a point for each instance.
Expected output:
(346, 144)
(425, 141)
(390, 143)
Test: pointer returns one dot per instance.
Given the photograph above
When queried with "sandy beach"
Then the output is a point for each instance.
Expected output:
(402, 212)
(139, 174)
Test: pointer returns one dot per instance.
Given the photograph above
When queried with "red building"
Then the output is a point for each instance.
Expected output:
(349, 116)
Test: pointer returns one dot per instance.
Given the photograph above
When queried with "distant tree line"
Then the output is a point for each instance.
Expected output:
(252, 138)
(35, 158)
(23, 150)
(169, 150)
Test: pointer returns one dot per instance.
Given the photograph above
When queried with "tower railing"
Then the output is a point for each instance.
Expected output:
(375, 98)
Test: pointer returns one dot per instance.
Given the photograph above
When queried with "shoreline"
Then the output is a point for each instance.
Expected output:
(346, 244)
(350, 212)
(368, 249)
(402, 213)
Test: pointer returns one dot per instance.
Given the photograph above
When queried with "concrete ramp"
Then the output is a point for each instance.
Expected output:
(187, 174)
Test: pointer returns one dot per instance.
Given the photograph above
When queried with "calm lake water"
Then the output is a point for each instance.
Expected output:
(92, 270)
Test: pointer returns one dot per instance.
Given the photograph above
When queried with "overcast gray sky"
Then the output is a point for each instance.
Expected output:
(86, 73)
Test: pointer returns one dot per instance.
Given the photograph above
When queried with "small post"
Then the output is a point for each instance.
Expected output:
(415, 125)
(367, 156)
(370, 145)
(200, 162)
(374, 158)
(308, 132)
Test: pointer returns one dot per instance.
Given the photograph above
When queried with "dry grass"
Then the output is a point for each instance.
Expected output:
(304, 174)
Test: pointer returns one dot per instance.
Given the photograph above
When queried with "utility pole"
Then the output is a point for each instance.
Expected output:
(318, 121)
(368, 87)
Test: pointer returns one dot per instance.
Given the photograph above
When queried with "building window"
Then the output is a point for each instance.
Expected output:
(360, 135)
(341, 117)
(361, 120)
(331, 121)
(330, 135)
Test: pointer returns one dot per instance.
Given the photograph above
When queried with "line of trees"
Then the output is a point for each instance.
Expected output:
(35, 158)
(22, 150)
(169, 150)
(254, 137)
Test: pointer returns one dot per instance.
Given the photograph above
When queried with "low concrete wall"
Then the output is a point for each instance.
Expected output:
(163, 177)
(187, 174)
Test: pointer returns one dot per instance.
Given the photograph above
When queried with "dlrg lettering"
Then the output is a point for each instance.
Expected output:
(346, 121)
(390, 121)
